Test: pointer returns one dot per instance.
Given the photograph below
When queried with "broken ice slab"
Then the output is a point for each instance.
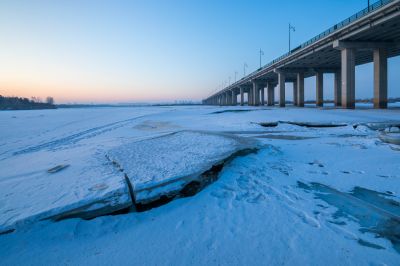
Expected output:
(87, 190)
(379, 126)
(314, 124)
(392, 138)
(57, 168)
(162, 166)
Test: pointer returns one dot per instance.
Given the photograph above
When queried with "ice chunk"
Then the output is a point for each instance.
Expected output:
(164, 165)
(57, 168)
(392, 138)
(40, 195)
(314, 124)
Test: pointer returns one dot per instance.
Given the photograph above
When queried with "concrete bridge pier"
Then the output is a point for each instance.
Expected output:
(281, 84)
(348, 49)
(319, 95)
(250, 97)
(262, 102)
(234, 98)
(300, 89)
(348, 77)
(241, 96)
(229, 98)
(337, 87)
(380, 78)
(295, 94)
(255, 93)
(270, 94)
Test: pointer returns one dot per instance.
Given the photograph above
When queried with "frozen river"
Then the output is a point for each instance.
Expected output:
(308, 195)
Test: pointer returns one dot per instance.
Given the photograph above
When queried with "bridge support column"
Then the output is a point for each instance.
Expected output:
(241, 96)
(295, 93)
(300, 89)
(348, 77)
(380, 78)
(270, 94)
(262, 102)
(234, 98)
(255, 94)
(250, 97)
(281, 82)
(320, 89)
(337, 86)
(229, 98)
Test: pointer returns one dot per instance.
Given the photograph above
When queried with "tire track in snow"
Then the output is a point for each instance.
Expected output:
(74, 138)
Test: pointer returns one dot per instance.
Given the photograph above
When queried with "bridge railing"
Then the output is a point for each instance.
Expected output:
(347, 21)
(371, 8)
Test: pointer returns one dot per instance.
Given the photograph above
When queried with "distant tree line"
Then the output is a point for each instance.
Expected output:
(18, 103)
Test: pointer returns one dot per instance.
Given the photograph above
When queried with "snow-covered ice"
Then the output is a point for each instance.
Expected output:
(309, 196)
(163, 165)
(34, 142)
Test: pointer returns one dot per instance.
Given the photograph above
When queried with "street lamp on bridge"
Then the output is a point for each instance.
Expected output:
(244, 69)
(291, 28)
(261, 54)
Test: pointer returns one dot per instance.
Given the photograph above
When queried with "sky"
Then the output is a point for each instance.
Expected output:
(154, 51)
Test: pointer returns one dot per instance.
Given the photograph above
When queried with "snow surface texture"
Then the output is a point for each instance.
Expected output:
(164, 165)
(87, 188)
(311, 196)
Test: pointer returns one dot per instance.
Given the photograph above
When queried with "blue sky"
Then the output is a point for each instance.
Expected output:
(127, 51)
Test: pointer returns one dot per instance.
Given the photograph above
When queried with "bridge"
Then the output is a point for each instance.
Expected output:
(371, 35)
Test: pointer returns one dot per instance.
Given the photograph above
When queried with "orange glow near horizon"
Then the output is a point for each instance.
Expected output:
(86, 94)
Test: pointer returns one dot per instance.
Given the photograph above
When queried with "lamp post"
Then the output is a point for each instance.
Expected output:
(235, 75)
(291, 28)
(244, 69)
(368, 5)
(261, 54)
